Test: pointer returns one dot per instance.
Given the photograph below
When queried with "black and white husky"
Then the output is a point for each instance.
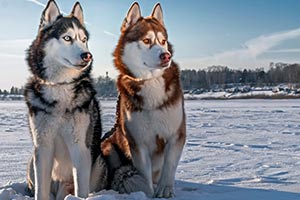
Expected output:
(64, 115)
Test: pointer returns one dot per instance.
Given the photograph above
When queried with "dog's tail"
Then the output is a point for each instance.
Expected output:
(99, 175)
(123, 179)
(127, 179)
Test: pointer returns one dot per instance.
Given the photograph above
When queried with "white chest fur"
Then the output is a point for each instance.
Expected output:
(58, 122)
(146, 126)
(154, 93)
(63, 95)
(153, 121)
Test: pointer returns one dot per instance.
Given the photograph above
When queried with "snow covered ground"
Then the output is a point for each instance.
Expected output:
(235, 149)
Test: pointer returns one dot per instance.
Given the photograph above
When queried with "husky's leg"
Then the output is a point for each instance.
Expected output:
(81, 159)
(80, 154)
(42, 163)
(142, 162)
(165, 186)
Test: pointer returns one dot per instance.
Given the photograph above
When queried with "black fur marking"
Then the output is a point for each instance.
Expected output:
(83, 90)
(119, 178)
(33, 87)
(33, 110)
(61, 25)
(124, 159)
(96, 140)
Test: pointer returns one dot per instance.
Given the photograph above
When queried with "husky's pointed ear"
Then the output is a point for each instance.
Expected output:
(157, 13)
(133, 15)
(78, 13)
(50, 14)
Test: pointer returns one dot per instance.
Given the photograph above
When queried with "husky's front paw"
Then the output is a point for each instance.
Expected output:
(164, 191)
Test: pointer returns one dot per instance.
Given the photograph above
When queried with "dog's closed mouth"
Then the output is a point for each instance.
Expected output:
(165, 64)
(162, 65)
(79, 65)
(69, 62)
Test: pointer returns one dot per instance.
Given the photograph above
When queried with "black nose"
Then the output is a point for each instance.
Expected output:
(86, 57)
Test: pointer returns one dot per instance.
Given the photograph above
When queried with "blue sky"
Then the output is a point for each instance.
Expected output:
(236, 33)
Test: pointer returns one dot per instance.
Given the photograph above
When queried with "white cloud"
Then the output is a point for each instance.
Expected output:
(110, 34)
(37, 2)
(263, 43)
(296, 50)
(250, 55)
(44, 5)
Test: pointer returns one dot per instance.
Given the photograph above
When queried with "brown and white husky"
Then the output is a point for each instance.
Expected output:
(150, 126)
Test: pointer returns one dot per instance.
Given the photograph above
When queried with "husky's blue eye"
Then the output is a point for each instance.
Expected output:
(84, 40)
(67, 38)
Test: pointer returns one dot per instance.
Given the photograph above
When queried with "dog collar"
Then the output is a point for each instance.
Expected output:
(49, 83)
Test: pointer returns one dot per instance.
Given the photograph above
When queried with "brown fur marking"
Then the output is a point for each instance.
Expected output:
(181, 133)
(155, 176)
(172, 85)
(132, 144)
(117, 138)
(160, 145)
(69, 187)
(128, 88)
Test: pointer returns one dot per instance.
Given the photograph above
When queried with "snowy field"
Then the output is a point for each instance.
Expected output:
(235, 149)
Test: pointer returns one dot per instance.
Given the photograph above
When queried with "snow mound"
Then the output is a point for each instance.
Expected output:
(112, 195)
(14, 191)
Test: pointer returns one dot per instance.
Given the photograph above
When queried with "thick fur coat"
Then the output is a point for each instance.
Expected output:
(64, 115)
(150, 130)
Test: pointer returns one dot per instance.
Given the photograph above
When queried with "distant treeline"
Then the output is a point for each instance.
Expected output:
(210, 78)
(104, 85)
(13, 91)
(224, 77)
